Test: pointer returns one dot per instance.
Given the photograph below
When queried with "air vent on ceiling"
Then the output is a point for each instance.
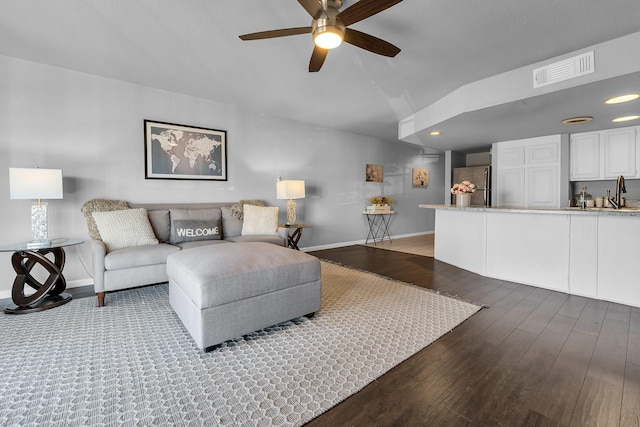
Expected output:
(564, 70)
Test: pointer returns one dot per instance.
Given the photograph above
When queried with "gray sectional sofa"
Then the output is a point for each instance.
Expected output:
(134, 266)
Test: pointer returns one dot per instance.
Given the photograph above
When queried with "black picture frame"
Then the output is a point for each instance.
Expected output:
(174, 151)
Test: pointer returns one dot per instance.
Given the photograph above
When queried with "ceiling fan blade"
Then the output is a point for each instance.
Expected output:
(317, 59)
(370, 43)
(364, 9)
(313, 8)
(276, 33)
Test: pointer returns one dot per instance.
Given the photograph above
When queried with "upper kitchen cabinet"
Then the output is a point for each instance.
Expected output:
(529, 172)
(605, 154)
(584, 155)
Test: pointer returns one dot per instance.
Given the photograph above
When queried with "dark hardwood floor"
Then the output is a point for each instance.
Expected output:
(533, 357)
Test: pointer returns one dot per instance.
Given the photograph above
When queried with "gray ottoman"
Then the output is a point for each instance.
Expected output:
(224, 291)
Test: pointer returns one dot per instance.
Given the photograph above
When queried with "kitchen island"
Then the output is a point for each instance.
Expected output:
(591, 252)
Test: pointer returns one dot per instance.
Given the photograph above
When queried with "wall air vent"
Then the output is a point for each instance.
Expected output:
(564, 70)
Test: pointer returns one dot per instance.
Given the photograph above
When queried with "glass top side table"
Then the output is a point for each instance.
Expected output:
(294, 237)
(48, 294)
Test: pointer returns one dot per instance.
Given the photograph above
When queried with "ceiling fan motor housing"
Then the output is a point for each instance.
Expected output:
(330, 22)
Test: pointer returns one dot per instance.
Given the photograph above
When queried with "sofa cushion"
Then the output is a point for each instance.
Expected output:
(196, 244)
(231, 225)
(260, 221)
(276, 240)
(212, 214)
(138, 256)
(241, 270)
(125, 228)
(161, 223)
(99, 205)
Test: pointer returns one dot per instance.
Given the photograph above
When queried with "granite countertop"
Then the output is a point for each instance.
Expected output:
(626, 211)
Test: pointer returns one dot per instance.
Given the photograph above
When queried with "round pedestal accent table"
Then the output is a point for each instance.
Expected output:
(48, 294)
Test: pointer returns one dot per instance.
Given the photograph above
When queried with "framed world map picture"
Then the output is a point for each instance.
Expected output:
(175, 151)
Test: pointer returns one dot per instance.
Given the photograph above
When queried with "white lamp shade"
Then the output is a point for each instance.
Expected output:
(27, 183)
(290, 189)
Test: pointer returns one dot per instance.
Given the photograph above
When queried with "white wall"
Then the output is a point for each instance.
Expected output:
(92, 128)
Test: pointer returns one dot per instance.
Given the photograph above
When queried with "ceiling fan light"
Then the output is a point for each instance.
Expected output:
(327, 37)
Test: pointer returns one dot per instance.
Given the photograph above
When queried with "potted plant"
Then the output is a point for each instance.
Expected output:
(463, 193)
(379, 204)
(380, 200)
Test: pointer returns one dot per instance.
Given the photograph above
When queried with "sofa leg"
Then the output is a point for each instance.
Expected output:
(310, 315)
(100, 296)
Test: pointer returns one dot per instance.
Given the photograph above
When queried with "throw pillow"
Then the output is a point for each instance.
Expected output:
(191, 230)
(125, 228)
(236, 208)
(99, 205)
(212, 215)
(260, 221)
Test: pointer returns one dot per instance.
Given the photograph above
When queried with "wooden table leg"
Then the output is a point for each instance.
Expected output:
(48, 294)
(294, 238)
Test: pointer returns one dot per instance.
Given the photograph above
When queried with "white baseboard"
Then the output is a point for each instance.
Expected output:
(79, 283)
(359, 242)
(6, 294)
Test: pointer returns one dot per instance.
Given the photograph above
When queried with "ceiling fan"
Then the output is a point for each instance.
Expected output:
(329, 28)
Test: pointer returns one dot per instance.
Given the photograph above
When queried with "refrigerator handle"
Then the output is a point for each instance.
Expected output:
(486, 189)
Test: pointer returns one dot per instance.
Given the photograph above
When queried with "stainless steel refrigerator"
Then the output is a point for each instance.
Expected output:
(481, 177)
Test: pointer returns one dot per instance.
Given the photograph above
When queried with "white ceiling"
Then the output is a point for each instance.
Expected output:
(192, 47)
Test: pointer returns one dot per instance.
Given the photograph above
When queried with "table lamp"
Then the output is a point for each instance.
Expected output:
(26, 183)
(290, 189)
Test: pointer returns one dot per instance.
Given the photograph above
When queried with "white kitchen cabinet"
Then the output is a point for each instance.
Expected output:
(511, 187)
(528, 248)
(528, 172)
(605, 154)
(584, 155)
(619, 147)
(583, 256)
(543, 189)
(592, 253)
(618, 247)
(463, 246)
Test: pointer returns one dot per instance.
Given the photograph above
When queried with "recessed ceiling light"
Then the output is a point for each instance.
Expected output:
(625, 119)
(577, 120)
(622, 98)
(435, 133)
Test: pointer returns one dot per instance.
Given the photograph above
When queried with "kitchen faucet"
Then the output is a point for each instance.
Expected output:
(620, 188)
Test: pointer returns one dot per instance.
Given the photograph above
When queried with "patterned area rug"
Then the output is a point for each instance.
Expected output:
(131, 363)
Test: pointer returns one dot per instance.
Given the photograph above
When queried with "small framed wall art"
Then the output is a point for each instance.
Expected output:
(420, 177)
(373, 173)
(175, 151)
